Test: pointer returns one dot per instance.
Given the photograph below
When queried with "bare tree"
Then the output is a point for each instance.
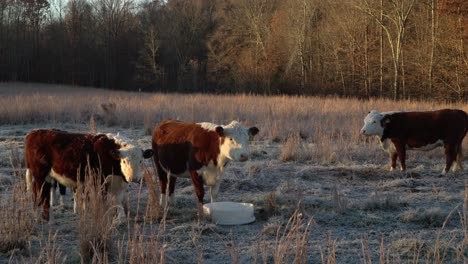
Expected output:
(148, 69)
(394, 23)
(434, 28)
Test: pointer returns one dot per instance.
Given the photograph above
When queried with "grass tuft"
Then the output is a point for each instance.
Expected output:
(18, 217)
(432, 217)
(97, 221)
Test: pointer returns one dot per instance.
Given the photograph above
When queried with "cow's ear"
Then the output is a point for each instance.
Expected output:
(385, 121)
(253, 131)
(148, 153)
(220, 131)
(115, 154)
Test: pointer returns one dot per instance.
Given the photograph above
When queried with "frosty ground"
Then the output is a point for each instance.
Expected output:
(357, 203)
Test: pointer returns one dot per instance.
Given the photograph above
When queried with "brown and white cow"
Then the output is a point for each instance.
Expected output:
(64, 157)
(399, 131)
(198, 151)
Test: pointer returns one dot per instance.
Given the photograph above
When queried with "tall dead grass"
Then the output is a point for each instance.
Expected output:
(97, 220)
(18, 214)
(291, 244)
(18, 217)
(328, 126)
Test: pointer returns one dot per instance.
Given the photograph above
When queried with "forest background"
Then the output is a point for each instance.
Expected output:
(398, 49)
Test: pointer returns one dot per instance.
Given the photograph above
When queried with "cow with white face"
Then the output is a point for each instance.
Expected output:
(198, 151)
(373, 123)
(235, 145)
(55, 155)
(131, 157)
(399, 131)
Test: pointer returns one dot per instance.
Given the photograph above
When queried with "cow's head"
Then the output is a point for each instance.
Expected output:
(131, 158)
(373, 124)
(235, 140)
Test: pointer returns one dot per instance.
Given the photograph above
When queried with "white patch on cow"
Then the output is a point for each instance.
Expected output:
(388, 146)
(131, 158)
(211, 174)
(62, 179)
(428, 147)
(372, 123)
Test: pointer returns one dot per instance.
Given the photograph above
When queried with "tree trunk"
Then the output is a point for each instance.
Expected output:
(433, 41)
(367, 85)
(381, 50)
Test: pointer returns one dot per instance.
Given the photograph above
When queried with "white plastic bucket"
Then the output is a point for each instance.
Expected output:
(229, 213)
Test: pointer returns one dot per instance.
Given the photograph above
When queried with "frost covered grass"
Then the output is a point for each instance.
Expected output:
(322, 193)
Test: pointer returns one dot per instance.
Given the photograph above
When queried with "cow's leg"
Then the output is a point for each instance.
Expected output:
(41, 189)
(214, 190)
(459, 158)
(197, 181)
(393, 158)
(401, 151)
(450, 156)
(119, 199)
(63, 192)
(162, 175)
(115, 188)
(172, 183)
(75, 206)
(53, 188)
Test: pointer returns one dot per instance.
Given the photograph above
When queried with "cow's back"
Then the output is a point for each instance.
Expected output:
(39, 144)
(177, 144)
(68, 154)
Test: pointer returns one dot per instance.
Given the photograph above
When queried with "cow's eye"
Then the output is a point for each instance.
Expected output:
(231, 139)
(374, 122)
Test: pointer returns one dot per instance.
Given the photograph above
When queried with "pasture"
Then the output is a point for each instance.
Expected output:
(322, 192)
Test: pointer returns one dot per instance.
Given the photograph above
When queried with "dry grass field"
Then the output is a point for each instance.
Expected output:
(322, 193)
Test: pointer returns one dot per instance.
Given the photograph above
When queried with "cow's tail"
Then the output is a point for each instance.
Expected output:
(466, 126)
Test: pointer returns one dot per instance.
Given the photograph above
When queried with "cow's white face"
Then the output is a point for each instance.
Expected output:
(372, 124)
(235, 144)
(130, 163)
(131, 159)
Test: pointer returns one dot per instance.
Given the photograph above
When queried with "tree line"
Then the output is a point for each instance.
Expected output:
(362, 48)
